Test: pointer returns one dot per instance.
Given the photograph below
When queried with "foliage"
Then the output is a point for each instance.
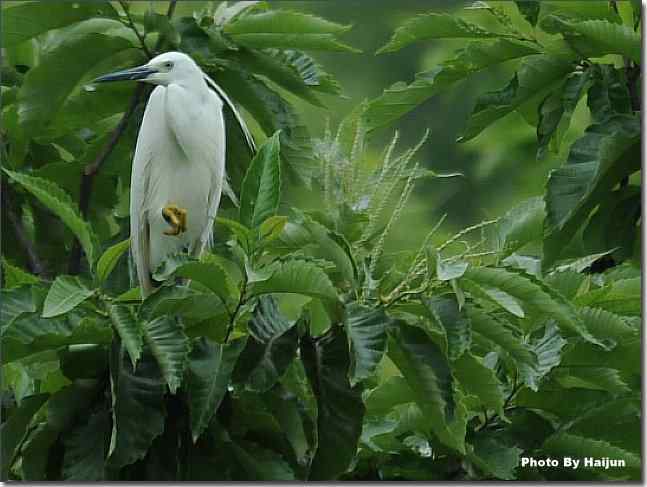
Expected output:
(300, 348)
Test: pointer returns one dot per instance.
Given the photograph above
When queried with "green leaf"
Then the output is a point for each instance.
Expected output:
(621, 297)
(129, 329)
(30, 334)
(402, 98)
(609, 93)
(48, 85)
(497, 332)
(597, 38)
(310, 72)
(210, 367)
(498, 296)
(271, 228)
(137, 407)
(427, 372)
(536, 76)
(26, 20)
(65, 294)
(548, 350)
(519, 226)
(481, 381)
(447, 313)
(60, 203)
(606, 325)
(393, 391)
(296, 277)
(109, 259)
(495, 459)
(556, 111)
(261, 189)
(270, 349)
(529, 9)
(596, 378)
(339, 406)
(62, 410)
(565, 444)
(536, 297)
(15, 277)
(366, 331)
(434, 26)
(14, 428)
(598, 161)
(447, 270)
(262, 464)
(15, 302)
(85, 453)
(212, 275)
(170, 347)
(286, 29)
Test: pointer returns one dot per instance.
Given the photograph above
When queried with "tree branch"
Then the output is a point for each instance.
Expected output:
(90, 171)
(34, 262)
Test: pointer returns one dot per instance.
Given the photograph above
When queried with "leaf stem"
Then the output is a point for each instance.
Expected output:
(131, 24)
(234, 315)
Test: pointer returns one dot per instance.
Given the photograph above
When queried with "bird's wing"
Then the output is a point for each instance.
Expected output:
(152, 126)
(243, 126)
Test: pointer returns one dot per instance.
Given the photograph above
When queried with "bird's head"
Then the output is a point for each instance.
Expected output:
(167, 68)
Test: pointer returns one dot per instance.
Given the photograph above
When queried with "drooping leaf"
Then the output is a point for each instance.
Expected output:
(402, 98)
(366, 331)
(129, 329)
(495, 331)
(85, 449)
(109, 259)
(60, 203)
(605, 325)
(286, 29)
(260, 191)
(339, 406)
(448, 315)
(548, 350)
(597, 162)
(65, 294)
(270, 349)
(27, 20)
(170, 347)
(434, 26)
(597, 378)
(426, 370)
(479, 380)
(529, 9)
(609, 93)
(137, 407)
(297, 277)
(14, 428)
(556, 111)
(209, 369)
(494, 458)
(262, 464)
(536, 76)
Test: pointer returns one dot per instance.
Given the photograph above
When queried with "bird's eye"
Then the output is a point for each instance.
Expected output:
(168, 64)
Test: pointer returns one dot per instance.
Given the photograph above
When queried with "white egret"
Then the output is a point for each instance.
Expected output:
(178, 172)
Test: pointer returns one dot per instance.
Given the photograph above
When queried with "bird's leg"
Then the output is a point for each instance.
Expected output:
(176, 218)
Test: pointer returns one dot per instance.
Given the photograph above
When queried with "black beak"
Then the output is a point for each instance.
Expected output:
(138, 73)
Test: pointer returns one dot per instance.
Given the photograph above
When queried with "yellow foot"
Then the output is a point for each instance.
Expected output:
(176, 218)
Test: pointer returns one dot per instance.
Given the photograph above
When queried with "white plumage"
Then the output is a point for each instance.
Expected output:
(179, 161)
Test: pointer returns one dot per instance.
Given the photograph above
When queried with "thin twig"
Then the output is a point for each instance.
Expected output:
(134, 29)
(34, 262)
(241, 301)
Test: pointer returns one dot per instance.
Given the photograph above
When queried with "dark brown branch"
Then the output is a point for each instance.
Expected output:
(90, 171)
(34, 262)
